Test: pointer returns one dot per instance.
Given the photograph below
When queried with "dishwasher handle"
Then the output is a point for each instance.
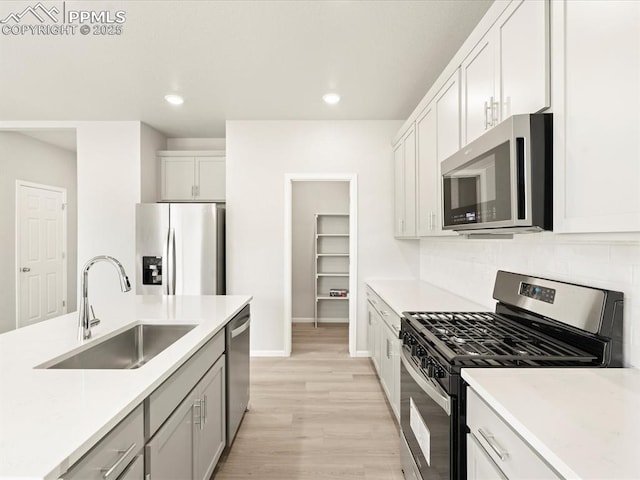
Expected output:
(238, 330)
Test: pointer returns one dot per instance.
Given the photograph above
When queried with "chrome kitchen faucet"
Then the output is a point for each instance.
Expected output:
(84, 322)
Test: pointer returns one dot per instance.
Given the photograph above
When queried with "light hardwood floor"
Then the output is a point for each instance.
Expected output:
(316, 415)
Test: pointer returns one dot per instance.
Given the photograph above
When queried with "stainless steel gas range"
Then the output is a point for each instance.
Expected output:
(537, 323)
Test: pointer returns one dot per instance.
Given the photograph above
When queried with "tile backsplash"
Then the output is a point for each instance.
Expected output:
(468, 267)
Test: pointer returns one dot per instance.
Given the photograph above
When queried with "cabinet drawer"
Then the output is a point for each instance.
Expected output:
(168, 396)
(385, 311)
(111, 455)
(504, 446)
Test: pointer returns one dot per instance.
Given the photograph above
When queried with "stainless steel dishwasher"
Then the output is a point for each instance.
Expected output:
(237, 385)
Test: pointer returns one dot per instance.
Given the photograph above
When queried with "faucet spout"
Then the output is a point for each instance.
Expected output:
(84, 322)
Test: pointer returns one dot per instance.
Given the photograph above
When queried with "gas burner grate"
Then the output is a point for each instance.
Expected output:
(485, 336)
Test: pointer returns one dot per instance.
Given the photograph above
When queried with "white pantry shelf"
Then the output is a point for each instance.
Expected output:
(331, 265)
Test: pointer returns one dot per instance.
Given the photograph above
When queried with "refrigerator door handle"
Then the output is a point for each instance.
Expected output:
(171, 262)
(166, 264)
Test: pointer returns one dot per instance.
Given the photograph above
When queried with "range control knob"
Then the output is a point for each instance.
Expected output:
(425, 361)
(438, 372)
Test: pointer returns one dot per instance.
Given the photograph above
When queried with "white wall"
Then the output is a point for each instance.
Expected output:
(28, 159)
(468, 267)
(151, 141)
(259, 154)
(196, 144)
(108, 188)
(309, 198)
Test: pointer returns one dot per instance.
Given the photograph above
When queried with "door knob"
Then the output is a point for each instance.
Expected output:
(26, 269)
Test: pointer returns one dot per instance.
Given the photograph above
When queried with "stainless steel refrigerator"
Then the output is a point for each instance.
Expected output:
(180, 249)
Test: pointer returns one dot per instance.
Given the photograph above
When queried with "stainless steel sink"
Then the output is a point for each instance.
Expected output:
(130, 349)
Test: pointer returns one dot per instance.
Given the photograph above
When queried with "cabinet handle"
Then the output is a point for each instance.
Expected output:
(494, 112)
(198, 418)
(486, 115)
(384, 313)
(388, 355)
(197, 190)
(204, 410)
(106, 472)
(495, 446)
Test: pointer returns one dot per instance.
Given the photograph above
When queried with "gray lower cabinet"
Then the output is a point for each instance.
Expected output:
(211, 439)
(135, 470)
(190, 442)
(183, 423)
(109, 458)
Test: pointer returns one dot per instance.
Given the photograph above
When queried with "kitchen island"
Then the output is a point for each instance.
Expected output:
(49, 418)
(582, 422)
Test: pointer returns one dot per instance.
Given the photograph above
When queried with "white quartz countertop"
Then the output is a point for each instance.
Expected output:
(50, 418)
(406, 295)
(584, 422)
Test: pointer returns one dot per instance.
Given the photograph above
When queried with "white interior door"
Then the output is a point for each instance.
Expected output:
(41, 248)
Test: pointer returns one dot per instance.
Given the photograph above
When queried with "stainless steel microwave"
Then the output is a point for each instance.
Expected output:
(502, 182)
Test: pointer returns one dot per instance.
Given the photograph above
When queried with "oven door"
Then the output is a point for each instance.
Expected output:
(425, 418)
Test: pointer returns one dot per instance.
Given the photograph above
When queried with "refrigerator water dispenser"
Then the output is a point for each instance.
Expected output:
(151, 270)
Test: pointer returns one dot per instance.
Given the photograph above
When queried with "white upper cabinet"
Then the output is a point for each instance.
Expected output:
(596, 54)
(192, 176)
(479, 89)
(398, 188)
(524, 58)
(211, 175)
(448, 118)
(427, 161)
(437, 137)
(178, 178)
(507, 72)
(404, 157)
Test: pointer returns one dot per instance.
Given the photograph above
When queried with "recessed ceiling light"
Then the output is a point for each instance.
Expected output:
(331, 98)
(174, 99)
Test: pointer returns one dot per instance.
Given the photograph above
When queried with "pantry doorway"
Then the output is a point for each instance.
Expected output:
(320, 254)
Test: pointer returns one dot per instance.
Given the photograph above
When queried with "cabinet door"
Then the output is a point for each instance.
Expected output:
(448, 118)
(370, 332)
(170, 453)
(211, 179)
(386, 368)
(395, 366)
(212, 434)
(177, 178)
(398, 176)
(409, 142)
(479, 89)
(479, 465)
(375, 325)
(596, 54)
(426, 153)
(524, 58)
(135, 470)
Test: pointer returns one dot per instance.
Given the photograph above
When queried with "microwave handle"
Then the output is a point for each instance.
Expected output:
(521, 178)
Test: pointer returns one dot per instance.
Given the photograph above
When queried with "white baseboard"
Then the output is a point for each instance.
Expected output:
(302, 320)
(362, 353)
(320, 320)
(268, 353)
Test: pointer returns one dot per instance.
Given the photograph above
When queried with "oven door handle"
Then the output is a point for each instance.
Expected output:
(442, 399)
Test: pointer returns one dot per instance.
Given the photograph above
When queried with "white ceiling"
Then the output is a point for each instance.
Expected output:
(235, 60)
